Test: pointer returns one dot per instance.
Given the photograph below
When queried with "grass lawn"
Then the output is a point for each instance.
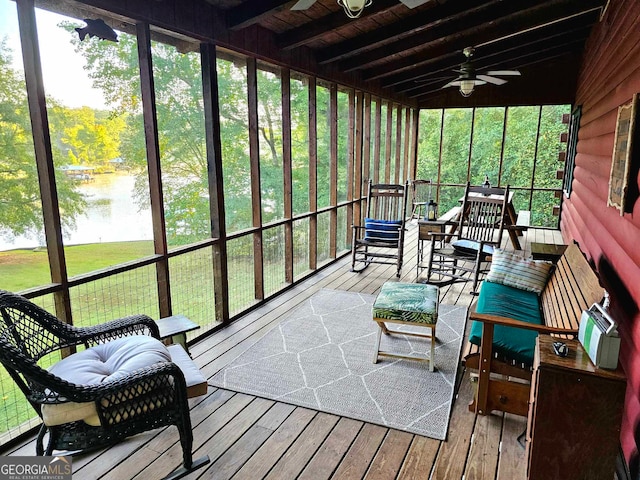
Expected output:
(23, 269)
(122, 294)
(130, 292)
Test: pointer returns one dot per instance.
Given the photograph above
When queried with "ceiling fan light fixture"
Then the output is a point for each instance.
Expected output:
(466, 87)
(354, 8)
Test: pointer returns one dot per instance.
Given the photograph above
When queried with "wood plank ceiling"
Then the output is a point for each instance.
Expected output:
(414, 52)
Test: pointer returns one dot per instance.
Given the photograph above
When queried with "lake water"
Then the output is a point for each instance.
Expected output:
(112, 215)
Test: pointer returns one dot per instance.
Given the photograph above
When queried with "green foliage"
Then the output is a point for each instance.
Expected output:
(84, 136)
(270, 139)
(526, 155)
(429, 145)
(300, 144)
(323, 117)
(21, 208)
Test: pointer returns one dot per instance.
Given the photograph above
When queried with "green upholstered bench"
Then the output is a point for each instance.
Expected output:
(408, 304)
(506, 322)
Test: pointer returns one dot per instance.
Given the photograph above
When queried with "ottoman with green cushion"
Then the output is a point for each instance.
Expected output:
(409, 304)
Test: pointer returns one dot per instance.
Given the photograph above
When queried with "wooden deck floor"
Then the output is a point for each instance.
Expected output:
(251, 438)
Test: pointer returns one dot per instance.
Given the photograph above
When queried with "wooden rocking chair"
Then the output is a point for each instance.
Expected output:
(460, 257)
(381, 239)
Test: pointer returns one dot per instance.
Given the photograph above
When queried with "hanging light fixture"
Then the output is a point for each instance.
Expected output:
(466, 87)
(354, 8)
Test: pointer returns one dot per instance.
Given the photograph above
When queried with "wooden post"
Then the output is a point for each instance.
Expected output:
(147, 88)
(399, 162)
(351, 141)
(287, 174)
(256, 197)
(415, 126)
(359, 155)
(376, 145)
(333, 169)
(408, 172)
(387, 145)
(44, 156)
(313, 175)
(216, 180)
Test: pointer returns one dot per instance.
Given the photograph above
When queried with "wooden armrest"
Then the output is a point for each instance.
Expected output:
(512, 322)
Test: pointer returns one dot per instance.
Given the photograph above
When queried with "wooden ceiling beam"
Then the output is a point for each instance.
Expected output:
(437, 16)
(314, 30)
(499, 53)
(250, 13)
(488, 16)
(526, 60)
(512, 61)
(526, 19)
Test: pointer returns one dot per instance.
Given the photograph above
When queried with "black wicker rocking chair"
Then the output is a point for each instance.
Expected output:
(147, 398)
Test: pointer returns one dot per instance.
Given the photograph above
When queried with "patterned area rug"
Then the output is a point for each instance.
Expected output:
(321, 357)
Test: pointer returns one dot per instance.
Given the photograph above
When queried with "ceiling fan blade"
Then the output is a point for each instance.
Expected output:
(494, 80)
(453, 83)
(303, 4)
(414, 3)
(504, 72)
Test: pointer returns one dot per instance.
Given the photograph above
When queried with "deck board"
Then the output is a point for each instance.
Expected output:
(250, 438)
(361, 454)
(330, 454)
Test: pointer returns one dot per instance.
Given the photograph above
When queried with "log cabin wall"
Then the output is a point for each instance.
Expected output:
(609, 76)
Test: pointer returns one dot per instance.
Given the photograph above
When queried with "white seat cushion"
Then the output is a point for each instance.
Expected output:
(99, 364)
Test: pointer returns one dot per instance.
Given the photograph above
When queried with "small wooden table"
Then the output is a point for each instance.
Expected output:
(547, 251)
(176, 328)
(575, 413)
(425, 227)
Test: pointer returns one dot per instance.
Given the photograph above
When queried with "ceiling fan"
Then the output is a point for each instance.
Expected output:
(354, 8)
(469, 78)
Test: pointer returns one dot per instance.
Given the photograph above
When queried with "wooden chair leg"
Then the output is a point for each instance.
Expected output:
(375, 355)
(432, 360)
(476, 274)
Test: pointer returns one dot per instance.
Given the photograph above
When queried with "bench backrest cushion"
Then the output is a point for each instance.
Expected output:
(512, 343)
(515, 271)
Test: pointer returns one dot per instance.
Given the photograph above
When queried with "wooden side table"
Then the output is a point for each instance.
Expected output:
(547, 251)
(175, 328)
(424, 228)
(575, 412)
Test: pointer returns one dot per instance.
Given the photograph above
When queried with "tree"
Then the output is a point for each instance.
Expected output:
(84, 136)
(20, 205)
(523, 153)
(177, 78)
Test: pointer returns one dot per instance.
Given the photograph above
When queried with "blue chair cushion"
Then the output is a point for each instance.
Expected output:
(382, 230)
(505, 301)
